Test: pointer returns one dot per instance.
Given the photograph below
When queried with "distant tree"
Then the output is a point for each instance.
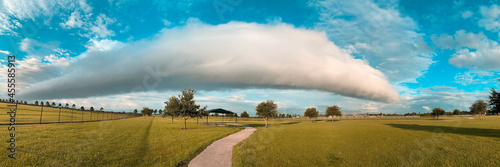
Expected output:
(26, 103)
(146, 111)
(91, 108)
(456, 112)
(201, 113)
(67, 105)
(53, 104)
(333, 111)
(82, 108)
(216, 114)
(244, 114)
(135, 111)
(437, 111)
(172, 107)
(494, 101)
(36, 103)
(479, 107)
(463, 112)
(311, 113)
(155, 111)
(60, 105)
(47, 104)
(160, 112)
(73, 106)
(266, 109)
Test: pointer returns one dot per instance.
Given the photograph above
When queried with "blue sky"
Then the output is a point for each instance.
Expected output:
(384, 56)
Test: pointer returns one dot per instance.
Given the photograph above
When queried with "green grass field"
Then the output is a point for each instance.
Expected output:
(155, 141)
(31, 114)
(127, 142)
(452, 141)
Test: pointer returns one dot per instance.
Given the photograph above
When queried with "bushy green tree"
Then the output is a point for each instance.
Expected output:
(244, 114)
(479, 107)
(266, 109)
(172, 107)
(333, 111)
(188, 107)
(311, 113)
(456, 112)
(437, 111)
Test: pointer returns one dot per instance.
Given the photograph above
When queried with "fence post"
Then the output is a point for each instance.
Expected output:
(90, 115)
(71, 114)
(41, 111)
(82, 115)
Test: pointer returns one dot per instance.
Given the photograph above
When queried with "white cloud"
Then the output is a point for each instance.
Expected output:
(100, 27)
(74, 21)
(426, 108)
(473, 51)
(5, 52)
(233, 55)
(466, 14)
(8, 25)
(474, 77)
(376, 34)
(490, 20)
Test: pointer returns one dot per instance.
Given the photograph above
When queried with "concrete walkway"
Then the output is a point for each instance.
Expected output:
(220, 152)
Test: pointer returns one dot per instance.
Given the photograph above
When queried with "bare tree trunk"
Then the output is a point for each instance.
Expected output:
(266, 121)
(480, 116)
(332, 119)
(185, 123)
(172, 119)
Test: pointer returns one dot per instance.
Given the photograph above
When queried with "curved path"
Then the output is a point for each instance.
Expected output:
(220, 152)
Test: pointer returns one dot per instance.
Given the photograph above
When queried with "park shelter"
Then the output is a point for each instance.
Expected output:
(221, 111)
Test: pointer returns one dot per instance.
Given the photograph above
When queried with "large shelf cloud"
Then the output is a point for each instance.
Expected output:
(206, 57)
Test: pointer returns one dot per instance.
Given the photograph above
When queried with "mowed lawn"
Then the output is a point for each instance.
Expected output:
(31, 114)
(451, 141)
(141, 141)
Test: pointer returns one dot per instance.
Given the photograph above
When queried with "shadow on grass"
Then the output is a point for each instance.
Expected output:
(448, 129)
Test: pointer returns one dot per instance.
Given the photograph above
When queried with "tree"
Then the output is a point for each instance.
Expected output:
(91, 108)
(437, 111)
(494, 101)
(333, 111)
(244, 114)
(53, 104)
(82, 108)
(201, 112)
(188, 107)
(47, 104)
(266, 109)
(479, 107)
(25, 102)
(172, 107)
(73, 106)
(155, 111)
(456, 112)
(160, 112)
(216, 114)
(146, 111)
(135, 111)
(311, 113)
(36, 103)
(60, 105)
(67, 105)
